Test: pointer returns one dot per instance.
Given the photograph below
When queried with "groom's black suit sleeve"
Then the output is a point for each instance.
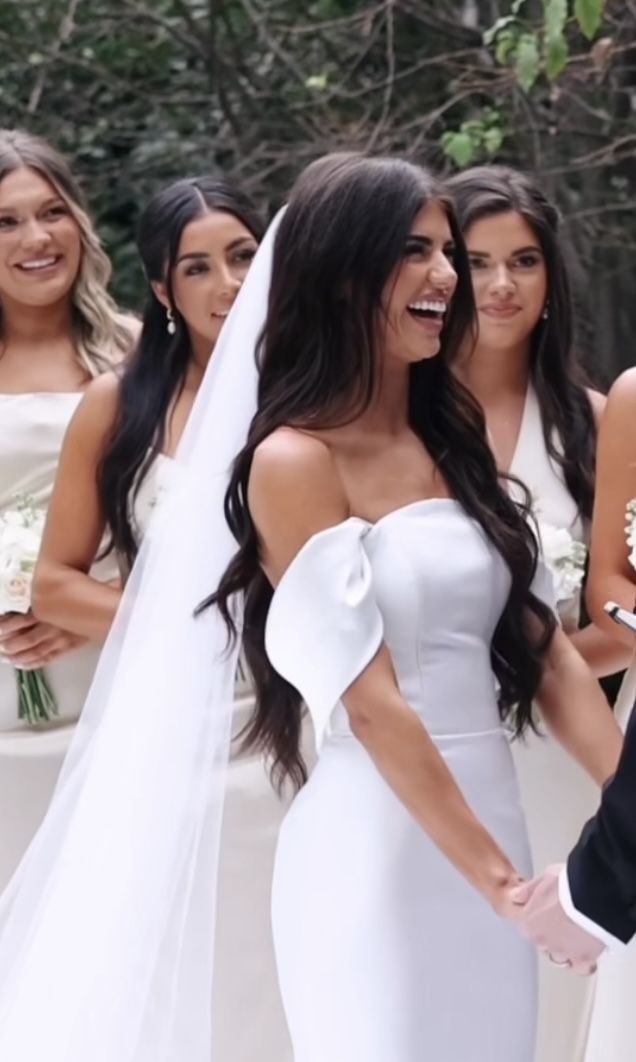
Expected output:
(602, 868)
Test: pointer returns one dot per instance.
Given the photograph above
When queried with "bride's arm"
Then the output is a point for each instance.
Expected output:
(64, 594)
(611, 576)
(295, 492)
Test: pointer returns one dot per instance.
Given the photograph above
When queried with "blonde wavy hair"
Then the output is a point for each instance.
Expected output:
(102, 335)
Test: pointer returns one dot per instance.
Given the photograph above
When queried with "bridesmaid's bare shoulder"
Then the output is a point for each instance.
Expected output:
(96, 413)
(620, 409)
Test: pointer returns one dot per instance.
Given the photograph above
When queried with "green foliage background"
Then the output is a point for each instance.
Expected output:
(138, 92)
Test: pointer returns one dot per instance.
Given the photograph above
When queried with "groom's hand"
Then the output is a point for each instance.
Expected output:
(544, 921)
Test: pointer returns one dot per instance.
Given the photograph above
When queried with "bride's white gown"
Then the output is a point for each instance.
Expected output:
(385, 953)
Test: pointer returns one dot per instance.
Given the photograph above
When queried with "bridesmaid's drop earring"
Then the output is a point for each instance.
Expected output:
(171, 326)
(546, 312)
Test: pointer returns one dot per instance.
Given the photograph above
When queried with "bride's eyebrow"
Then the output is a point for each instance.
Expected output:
(424, 243)
(191, 255)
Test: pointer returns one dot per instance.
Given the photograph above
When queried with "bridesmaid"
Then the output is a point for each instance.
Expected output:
(612, 1027)
(197, 239)
(58, 329)
(542, 421)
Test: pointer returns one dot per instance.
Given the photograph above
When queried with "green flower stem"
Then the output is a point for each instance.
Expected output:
(36, 703)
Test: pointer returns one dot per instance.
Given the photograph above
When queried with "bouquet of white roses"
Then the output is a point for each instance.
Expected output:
(20, 537)
(565, 557)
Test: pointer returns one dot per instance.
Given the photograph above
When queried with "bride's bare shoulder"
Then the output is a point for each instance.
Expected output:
(295, 484)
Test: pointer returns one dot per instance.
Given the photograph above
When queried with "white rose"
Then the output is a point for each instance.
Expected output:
(556, 542)
(15, 592)
(565, 558)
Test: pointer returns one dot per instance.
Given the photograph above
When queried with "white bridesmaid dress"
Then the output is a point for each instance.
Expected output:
(32, 428)
(385, 953)
(557, 796)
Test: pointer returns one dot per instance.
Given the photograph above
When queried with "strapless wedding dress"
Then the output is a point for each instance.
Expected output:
(385, 953)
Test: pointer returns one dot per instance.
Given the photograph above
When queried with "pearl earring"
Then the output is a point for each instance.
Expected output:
(171, 326)
(546, 311)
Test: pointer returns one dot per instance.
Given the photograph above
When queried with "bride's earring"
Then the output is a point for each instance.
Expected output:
(546, 312)
(171, 326)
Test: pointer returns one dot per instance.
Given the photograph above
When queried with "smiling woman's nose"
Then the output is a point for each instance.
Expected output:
(442, 273)
(34, 234)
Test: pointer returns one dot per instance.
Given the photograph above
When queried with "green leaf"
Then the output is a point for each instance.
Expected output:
(491, 34)
(493, 139)
(589, 15)
(556, 13)
(527, 60)
(556, 47)
(556, 56)
(506, 44)
(459, 147)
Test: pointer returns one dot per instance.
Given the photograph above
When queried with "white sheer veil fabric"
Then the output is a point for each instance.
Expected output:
(107, 928)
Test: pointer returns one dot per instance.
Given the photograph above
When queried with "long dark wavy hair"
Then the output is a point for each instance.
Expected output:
(569, 428)
(156, 372)
(343, 235)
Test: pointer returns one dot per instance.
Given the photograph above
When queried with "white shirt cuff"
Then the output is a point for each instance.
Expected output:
(565, 898)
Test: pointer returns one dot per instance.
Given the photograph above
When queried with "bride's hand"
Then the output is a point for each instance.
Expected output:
(28, 644)
(503, 902)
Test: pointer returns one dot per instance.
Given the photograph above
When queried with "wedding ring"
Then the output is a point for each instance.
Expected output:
(559, 962)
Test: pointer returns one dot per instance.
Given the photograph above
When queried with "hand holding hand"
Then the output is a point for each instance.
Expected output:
(544, 921)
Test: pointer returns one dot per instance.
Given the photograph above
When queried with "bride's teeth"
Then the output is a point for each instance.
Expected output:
(430, 305)
(41, 263)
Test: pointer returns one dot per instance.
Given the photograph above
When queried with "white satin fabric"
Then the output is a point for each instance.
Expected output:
(32, 428)
(107, 928)
(385, 952)
(557, 795)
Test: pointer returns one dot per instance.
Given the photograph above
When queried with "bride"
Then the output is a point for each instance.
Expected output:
(405, 582)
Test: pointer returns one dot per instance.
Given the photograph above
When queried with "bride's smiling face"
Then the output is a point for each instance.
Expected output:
(214, 256)
(418, 295)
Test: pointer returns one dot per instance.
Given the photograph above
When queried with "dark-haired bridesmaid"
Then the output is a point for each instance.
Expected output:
(542, 421)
